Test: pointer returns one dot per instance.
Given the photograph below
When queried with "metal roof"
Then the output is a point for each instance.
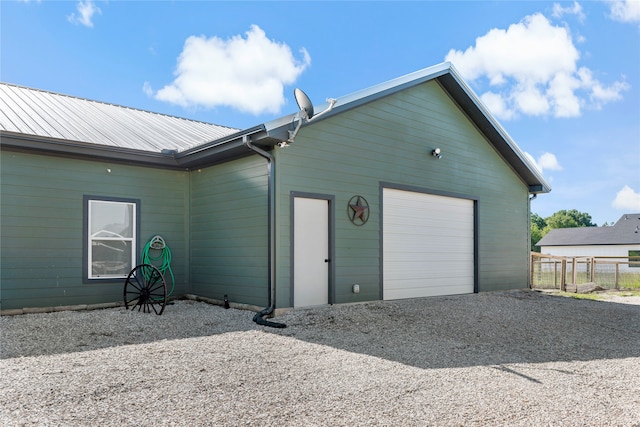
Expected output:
(624, 232)
(45, 114)
(39, 120)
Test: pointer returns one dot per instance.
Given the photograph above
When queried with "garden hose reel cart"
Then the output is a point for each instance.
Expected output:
(145, 287)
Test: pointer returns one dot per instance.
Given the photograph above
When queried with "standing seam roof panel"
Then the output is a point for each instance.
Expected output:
(47, 114)
(121, 125)
(8, 118)
(24, 115)
(89, 133)
(50, 115)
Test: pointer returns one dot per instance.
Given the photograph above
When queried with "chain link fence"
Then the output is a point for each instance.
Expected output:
(560, 272)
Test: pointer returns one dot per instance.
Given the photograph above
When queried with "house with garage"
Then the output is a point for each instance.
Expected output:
(406, 189)
(619, 241)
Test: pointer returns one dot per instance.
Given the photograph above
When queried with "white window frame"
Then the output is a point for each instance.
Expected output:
(92, 203)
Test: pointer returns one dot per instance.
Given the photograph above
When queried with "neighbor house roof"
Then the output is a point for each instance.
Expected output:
(624, 232)
(34, 119)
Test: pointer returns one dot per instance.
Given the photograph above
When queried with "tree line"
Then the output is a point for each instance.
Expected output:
(561, 219)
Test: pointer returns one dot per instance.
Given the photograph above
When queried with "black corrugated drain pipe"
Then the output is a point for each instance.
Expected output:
(259, 317)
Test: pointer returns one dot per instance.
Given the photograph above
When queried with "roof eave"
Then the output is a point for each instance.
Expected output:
(225, 149)
(451, 81)
(73, 149)
(495, 133)
(219, 151)
(267, 135)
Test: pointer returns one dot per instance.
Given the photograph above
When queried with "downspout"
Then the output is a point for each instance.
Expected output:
(271, 301)
(530, 199)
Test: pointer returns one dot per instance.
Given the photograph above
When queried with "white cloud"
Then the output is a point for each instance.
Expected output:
(248, 74)
(600, 94)
(546, 161)
(530, 100)
(86, 10)
(627, 199)
(146, 88)
(550, 162)
(575, 9)
(562, 93)
(497, 105)
(625, 10)
(532, 69)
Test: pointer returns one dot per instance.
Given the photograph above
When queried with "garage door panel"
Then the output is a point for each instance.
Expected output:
(439, 243)
(439, 267)
(434, 290)
(436, 286)
(401, 275)
(428, 245)
(434, 230)
(452, 224)
(434, 222)
(439, 261)
(437, 213)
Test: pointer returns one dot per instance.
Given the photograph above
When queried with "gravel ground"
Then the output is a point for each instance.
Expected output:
(516, 358)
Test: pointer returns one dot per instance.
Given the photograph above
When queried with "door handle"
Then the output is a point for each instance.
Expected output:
(327, 260)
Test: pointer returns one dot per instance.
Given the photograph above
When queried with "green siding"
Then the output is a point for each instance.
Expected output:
(229, 231)
(390, 140)
(42, 220)
(215, 220)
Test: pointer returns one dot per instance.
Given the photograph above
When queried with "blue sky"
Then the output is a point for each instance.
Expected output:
(563, 78)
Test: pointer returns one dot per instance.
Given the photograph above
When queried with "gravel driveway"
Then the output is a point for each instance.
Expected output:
(518, 358)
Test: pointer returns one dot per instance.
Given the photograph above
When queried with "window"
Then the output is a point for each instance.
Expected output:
(634, 262)
(111, 237)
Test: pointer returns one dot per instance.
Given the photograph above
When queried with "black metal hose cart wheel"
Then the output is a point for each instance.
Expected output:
(146, 289)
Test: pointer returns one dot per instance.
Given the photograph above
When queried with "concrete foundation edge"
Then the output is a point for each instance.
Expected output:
(81, 307)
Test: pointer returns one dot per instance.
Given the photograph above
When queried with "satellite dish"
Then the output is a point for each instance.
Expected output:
(304, 103)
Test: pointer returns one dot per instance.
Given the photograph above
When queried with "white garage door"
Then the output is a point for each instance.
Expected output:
(428, 245)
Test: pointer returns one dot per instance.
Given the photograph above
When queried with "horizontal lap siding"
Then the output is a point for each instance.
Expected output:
(229, 231)
(390, 140)
(42, 222)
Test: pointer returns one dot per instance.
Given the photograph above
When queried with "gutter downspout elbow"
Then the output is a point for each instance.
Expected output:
(258, 318)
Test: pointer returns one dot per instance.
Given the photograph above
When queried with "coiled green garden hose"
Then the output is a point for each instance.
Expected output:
(162, 261)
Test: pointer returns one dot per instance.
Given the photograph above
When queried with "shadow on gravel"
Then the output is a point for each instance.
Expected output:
(73, 331)
(486, 329)
(494, 328)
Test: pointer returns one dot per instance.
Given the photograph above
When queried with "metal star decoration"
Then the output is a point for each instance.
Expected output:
(358, 210)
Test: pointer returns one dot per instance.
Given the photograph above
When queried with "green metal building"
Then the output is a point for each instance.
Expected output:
(406, 189)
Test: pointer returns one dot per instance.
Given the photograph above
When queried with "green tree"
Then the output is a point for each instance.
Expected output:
(538, 221)
(569, 219)
(536, 235)
(561, 219)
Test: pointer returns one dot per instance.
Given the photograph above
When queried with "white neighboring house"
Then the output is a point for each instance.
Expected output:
(619, 240)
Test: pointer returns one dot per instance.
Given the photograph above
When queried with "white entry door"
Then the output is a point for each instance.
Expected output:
(428, 245)
(311, 252)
